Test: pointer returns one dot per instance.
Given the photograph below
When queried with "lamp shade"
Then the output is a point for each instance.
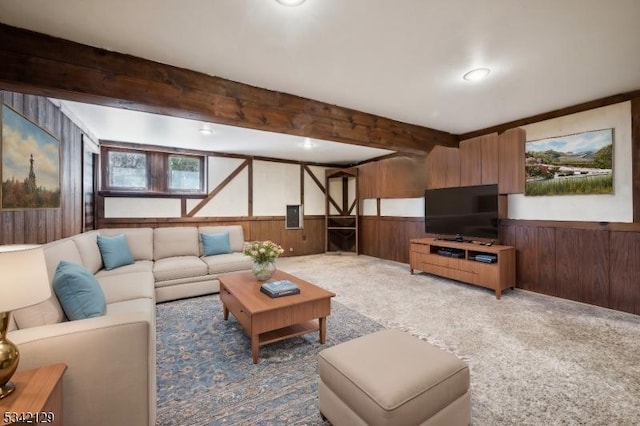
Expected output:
(23, 277)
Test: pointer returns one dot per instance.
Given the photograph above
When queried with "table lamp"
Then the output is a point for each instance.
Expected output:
(23, 282)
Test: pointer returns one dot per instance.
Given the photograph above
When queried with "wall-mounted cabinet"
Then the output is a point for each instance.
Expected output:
(481, 160)
(395, 177)
(341, 210)
(471, 162)
(511, 147)
(443, 167)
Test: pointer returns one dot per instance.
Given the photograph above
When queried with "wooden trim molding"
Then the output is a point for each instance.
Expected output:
(566, 224)
(43, 65)
(635, 156)
(609, 100)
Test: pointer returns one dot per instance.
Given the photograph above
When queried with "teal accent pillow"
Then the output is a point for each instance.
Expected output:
(114, 251)
(78, 291)
(213, 244)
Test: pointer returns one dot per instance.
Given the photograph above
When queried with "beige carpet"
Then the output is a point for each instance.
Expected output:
(534, 359)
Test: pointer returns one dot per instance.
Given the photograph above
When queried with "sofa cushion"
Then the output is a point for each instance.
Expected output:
(231, 262)
(78, 291)
(129, 286)
(137, 266)
(60, 250)
(115, 251)
(140, 240)
(49, 311)
(236, 234)
(89, 252)
(175, 241)
(171, 268)
(144, 305)
(213, 244)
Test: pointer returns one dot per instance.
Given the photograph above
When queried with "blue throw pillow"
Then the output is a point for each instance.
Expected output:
(114, 251)
(78, 291)
(215, 244)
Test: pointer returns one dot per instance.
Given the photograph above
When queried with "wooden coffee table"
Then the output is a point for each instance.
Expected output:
(267, 320)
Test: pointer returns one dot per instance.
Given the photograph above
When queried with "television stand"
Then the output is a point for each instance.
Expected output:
(458, 239)
(492, 267)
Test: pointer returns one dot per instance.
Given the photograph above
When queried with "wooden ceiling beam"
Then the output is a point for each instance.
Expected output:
(43, 65)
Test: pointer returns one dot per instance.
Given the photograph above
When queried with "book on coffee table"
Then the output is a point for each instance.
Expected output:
(279, 288)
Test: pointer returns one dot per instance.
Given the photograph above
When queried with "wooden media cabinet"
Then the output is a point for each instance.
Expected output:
(461, 261)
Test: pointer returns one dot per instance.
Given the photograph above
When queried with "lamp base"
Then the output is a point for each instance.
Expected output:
(6, 389)
(9, 357)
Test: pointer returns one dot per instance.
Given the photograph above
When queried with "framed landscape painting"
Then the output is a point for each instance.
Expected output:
(30, 164)
(574, 164)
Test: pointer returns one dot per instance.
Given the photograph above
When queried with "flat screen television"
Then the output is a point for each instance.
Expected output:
(462, 212)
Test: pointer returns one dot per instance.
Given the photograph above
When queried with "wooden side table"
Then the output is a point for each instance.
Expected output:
(37, 398)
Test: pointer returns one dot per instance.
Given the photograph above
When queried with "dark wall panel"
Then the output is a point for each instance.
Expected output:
(526, 261)
(546, 248)
(582, 271)
(388, 237)
(625, 272)
(581, 261)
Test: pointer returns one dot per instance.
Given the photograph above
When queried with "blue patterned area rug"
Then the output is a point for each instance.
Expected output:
(206, 376)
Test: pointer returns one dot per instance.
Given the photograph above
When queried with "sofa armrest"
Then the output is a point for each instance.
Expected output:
(110, 378)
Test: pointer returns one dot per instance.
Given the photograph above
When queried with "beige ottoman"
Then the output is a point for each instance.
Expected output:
(392, 378)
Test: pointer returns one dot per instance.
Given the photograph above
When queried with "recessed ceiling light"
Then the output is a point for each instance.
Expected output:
(206, 130)
(291, 2)
(477, 74)
(307, 144)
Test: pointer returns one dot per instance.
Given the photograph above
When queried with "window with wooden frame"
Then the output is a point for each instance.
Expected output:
(127, 170)
(150, 172)
(185, 173)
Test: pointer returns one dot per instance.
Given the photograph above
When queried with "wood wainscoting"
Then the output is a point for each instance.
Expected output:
(587, 262)
(295, 242)
(388, 237)
(583, 261)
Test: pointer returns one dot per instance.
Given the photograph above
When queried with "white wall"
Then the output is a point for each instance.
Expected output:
(403, 207)
(335, 190)
(274, 186)
(233, 199)
(314, 200)
(616, 207)
(394, 207)
(141, 207)
(369, 207)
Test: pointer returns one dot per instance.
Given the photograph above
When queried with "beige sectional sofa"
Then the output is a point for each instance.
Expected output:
(111, 375)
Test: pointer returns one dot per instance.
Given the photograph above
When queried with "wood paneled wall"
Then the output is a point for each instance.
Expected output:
(295, 242)
(388, 237)
(581, 261)
(37, 226)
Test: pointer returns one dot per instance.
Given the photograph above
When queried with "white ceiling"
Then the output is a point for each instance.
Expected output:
(113, 124)
(400, 59)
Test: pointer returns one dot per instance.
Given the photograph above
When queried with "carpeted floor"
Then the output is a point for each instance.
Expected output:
(534, 359)
(206, 375)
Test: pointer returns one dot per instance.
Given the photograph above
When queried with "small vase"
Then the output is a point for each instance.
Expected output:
(263, 270)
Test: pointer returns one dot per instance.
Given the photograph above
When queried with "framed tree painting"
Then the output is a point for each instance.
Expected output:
(30, 164)
(581, 163)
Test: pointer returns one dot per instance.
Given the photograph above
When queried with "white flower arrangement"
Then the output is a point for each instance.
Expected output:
(262, 251)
